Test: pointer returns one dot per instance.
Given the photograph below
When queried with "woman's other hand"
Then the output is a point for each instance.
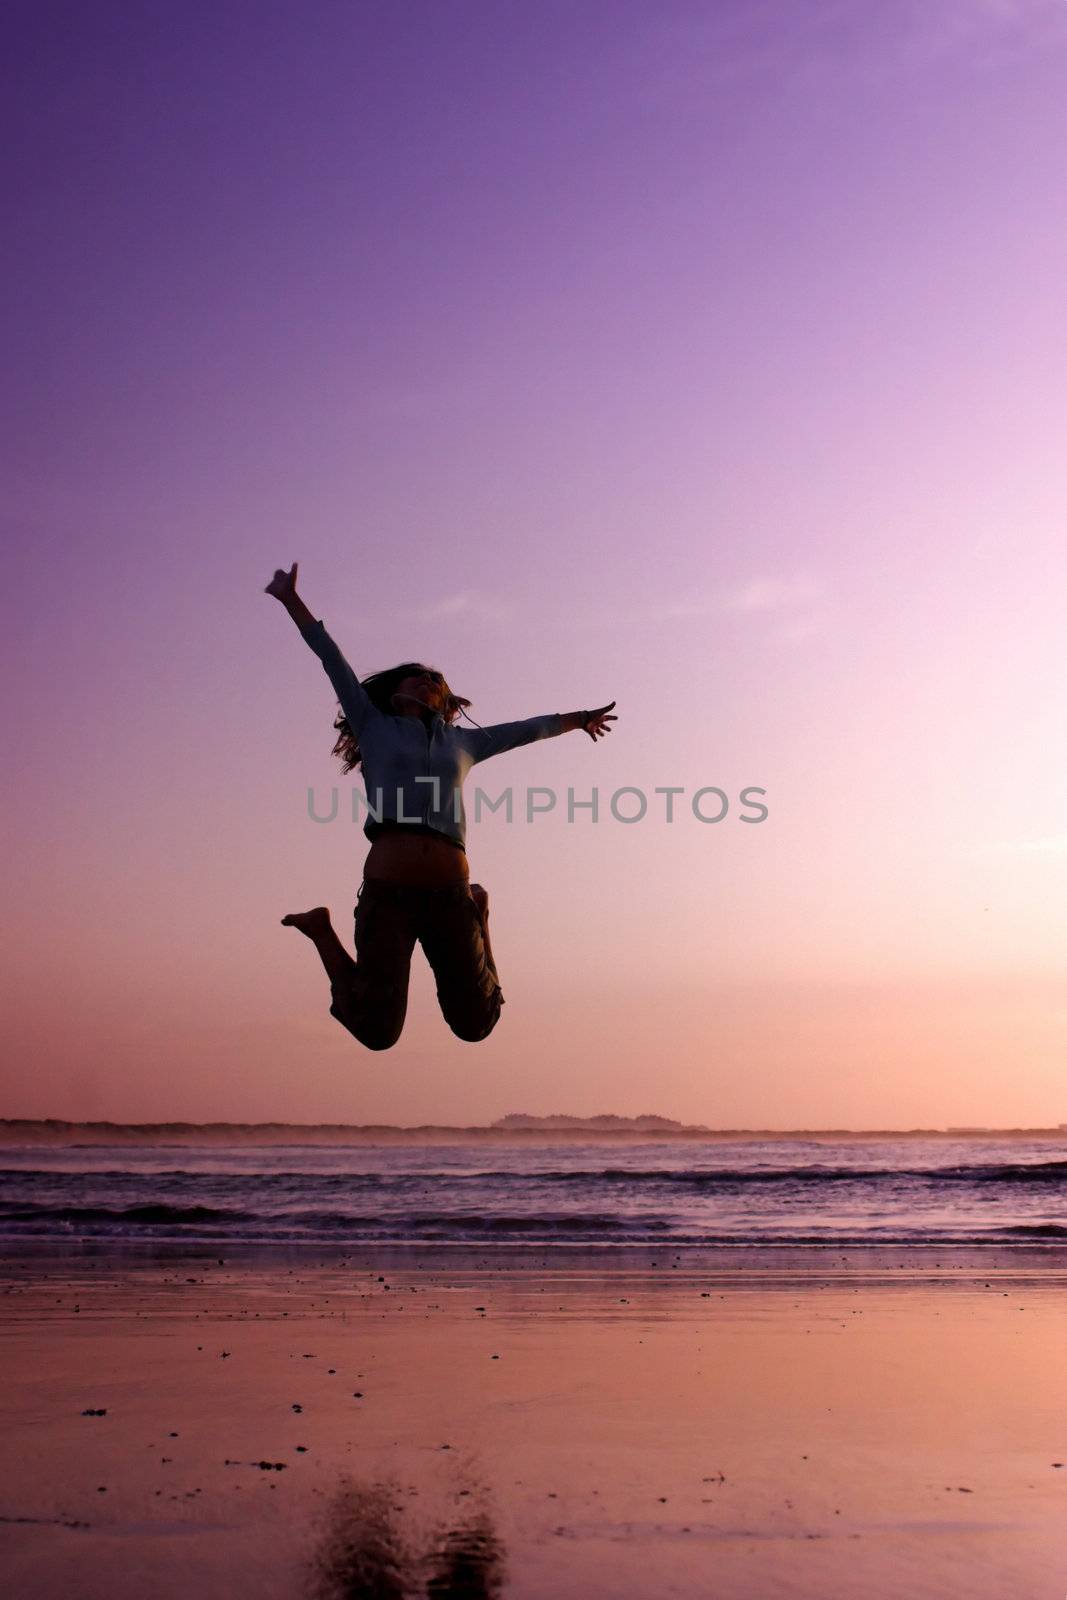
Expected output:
(283, 585)
(596, 722)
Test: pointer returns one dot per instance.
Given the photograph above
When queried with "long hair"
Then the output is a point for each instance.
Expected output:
(380, 688)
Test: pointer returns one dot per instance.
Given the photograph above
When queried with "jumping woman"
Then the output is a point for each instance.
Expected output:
(400, 725)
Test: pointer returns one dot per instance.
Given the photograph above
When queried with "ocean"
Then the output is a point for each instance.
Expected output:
(663, 1193)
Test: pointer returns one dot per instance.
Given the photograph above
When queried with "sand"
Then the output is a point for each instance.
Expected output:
(299, 1430)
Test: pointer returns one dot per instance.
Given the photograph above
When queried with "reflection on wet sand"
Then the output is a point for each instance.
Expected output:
(362, 1555)
(366, 1554)
(469, 1562)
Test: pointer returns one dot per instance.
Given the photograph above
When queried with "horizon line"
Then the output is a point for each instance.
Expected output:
(503, 1129)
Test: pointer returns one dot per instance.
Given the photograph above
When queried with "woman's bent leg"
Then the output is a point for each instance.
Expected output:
(468, 988)
(370, 999)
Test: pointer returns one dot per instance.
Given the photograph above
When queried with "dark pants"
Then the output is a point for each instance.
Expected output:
(372, 1000)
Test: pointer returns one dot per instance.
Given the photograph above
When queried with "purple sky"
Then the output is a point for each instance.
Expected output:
(706, 356)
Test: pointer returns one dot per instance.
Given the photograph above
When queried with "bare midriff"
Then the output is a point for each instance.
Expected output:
(416, 858)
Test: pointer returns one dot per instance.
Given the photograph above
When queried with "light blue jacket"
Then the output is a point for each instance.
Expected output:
(414, 772)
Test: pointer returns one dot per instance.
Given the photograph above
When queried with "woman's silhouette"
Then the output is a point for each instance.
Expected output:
(400, 725)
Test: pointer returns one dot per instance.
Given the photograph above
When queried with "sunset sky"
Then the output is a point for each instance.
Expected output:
(706, 356)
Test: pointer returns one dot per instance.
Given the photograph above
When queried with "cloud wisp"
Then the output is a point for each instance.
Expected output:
(792, 599)
(464, 603)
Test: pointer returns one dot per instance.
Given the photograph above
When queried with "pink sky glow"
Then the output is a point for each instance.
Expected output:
(710, 358)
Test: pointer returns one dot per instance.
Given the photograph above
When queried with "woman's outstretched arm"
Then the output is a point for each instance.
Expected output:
(500, 736)
(355, 702)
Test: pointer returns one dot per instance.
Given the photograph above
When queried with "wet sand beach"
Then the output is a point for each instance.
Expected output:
(428, 1425)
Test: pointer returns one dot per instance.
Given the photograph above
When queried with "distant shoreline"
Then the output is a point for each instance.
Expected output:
(55, 1132)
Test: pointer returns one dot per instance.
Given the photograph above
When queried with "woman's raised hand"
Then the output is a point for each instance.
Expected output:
(596, 722)
(283, 584)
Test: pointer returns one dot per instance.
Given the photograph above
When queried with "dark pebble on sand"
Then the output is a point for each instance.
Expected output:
(99, 1412)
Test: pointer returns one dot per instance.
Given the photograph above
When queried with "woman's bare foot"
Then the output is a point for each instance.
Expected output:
(313, 922)
(320, 930)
